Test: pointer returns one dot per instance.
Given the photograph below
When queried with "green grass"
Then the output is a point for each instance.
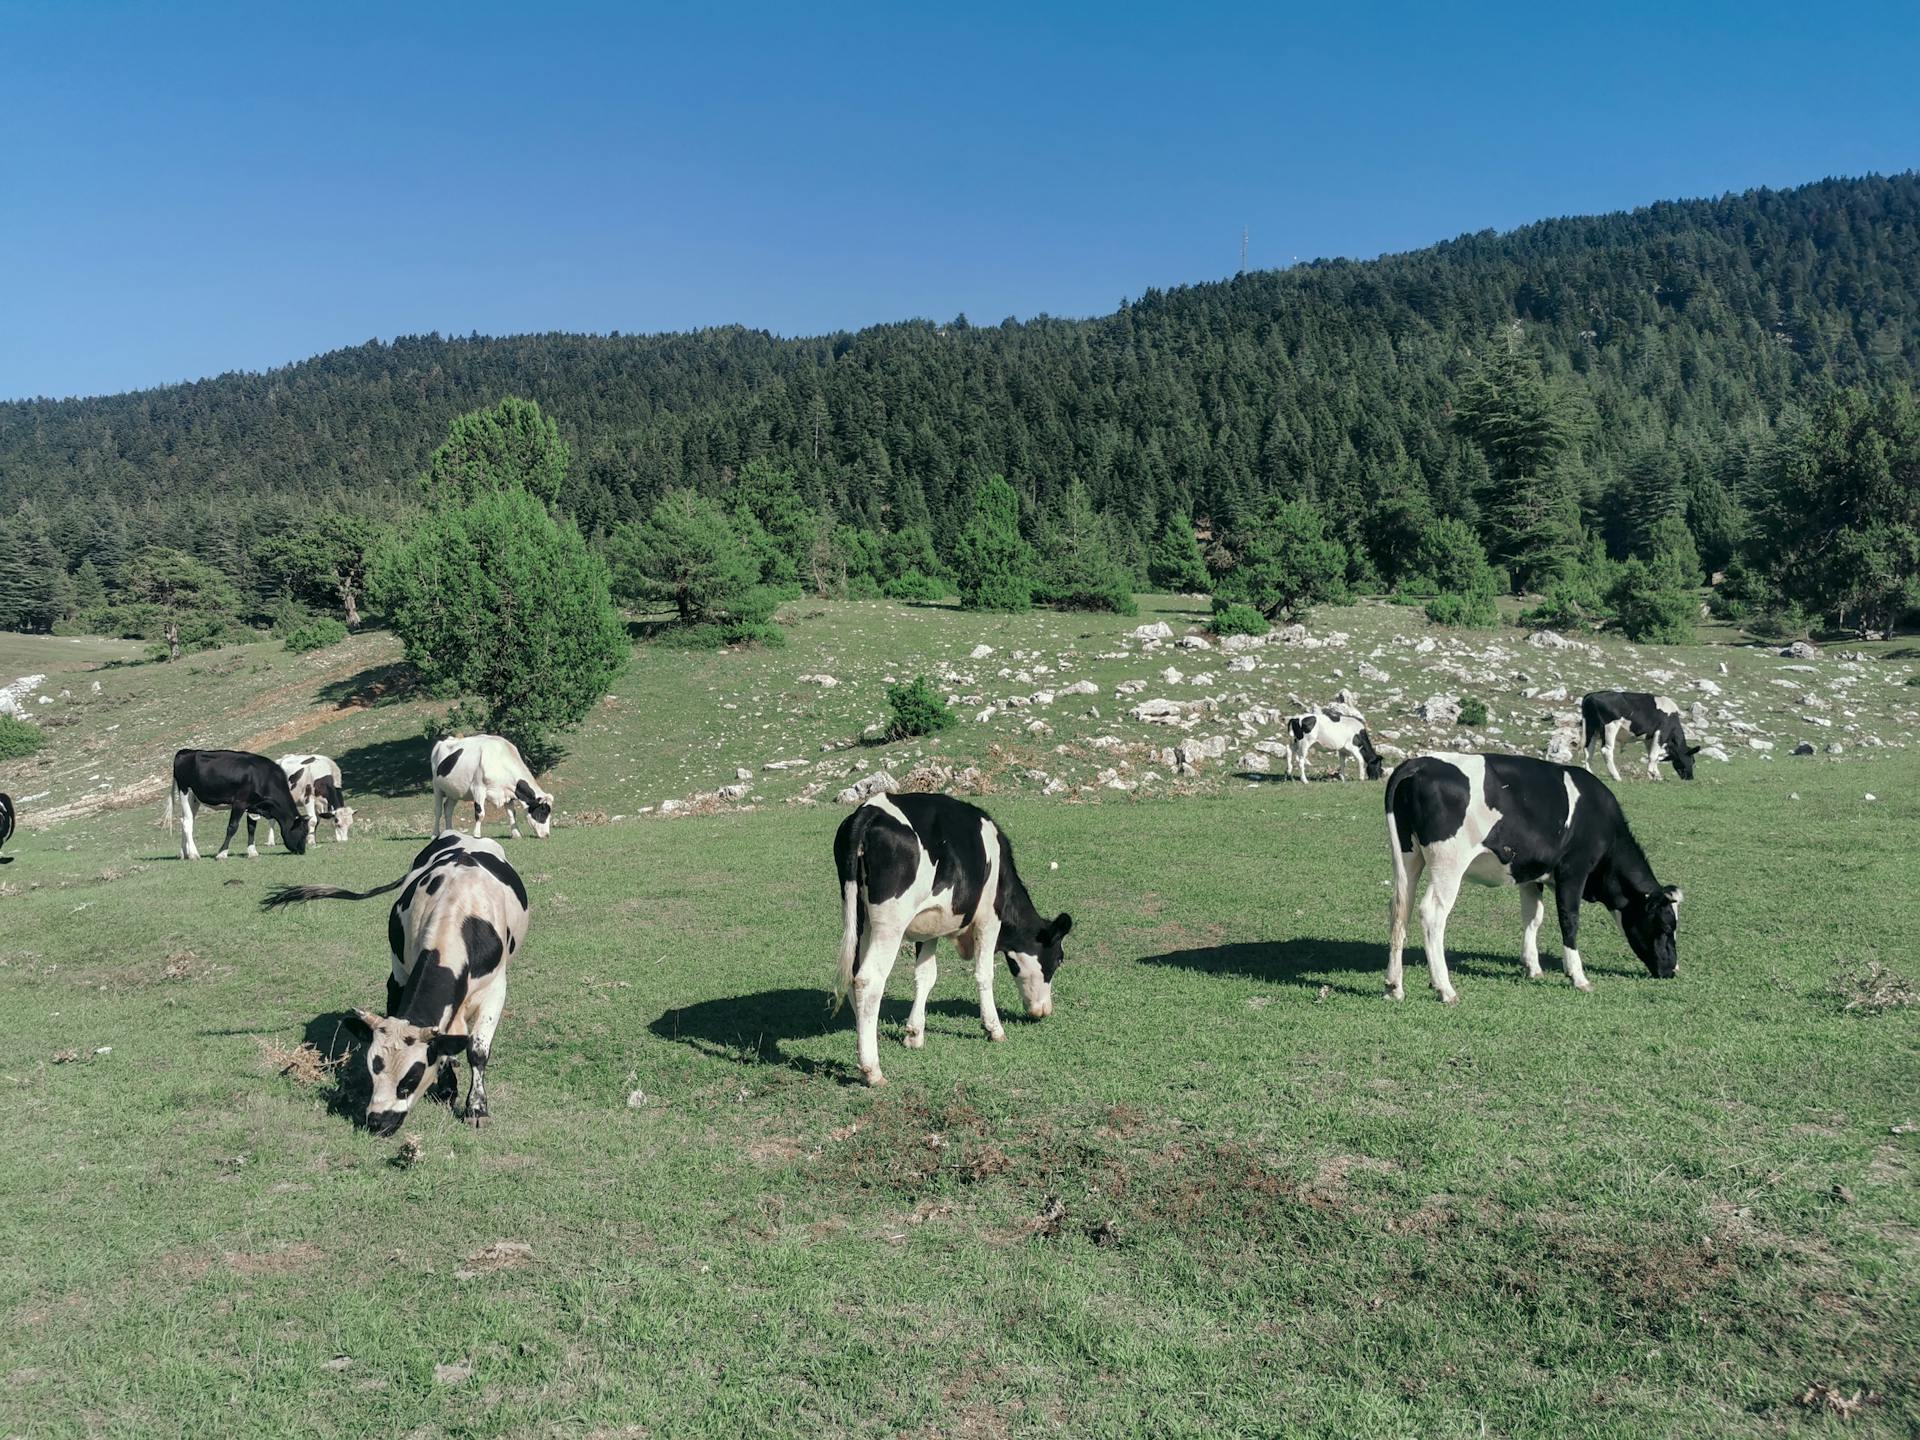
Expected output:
(1280, 1204)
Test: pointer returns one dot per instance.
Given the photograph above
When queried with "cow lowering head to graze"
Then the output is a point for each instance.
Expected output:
(241, 783)
(487, 770)
(315, 782)
(461, 915)
(6, 824)
(1609, 715)
(1514, 820)
(1344, 733)
(920, 867)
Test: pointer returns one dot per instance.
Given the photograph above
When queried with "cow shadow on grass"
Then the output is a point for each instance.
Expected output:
(1353, 966)
(343, 1084)
(757, 1029)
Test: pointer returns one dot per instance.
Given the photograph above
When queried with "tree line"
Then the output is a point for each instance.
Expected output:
(1601, 411)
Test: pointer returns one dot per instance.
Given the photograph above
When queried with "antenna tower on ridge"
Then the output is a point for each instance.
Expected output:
(1243, 249)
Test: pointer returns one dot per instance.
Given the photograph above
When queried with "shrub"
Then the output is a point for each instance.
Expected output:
(1471, 611)
(18, 738)
(315, 634)
(1284, 563)
(915, 588)
(916, 710)
(1651, 610)
(1473, 711)
(1231, 617)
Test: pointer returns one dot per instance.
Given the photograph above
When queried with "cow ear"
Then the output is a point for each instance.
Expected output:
(361, 1023)
(1675, 895)
(440, 1046)
(1694, 749)
(1062, 925)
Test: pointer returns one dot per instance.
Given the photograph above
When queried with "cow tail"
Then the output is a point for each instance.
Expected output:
(298, 894)
(1402, 881)
(849, 855)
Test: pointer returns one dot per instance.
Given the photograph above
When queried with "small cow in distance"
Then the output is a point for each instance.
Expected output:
(240, 782)
(1344, 733)
(6, 824)
(315, 782)
(1608, 715)
(487, 770)
(461, 916)
(919, 867)
(1514, 820)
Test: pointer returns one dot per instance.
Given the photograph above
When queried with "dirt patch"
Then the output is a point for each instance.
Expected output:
(497, 1256)
(286, 1260)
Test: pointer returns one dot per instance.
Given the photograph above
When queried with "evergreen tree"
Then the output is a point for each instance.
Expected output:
(1284, 563)
(504, 604)
(688, 553)
(992, 562)
(511, 445)
(1081, 573)
(1174, 563)
(1524, 426)
(323, 563)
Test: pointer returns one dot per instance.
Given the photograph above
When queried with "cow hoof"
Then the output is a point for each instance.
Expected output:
(477, 1115)
(914, 1039)
(1396, 992)
(1583, 985)
(221, 856)
(996, 1035)
(1449, 997)
(1536, 975)
(873, 1078)
(253, 854)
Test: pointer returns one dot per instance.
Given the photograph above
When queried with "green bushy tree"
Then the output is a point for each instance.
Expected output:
(1080, 572)
(194, 603)
(503, 604)
(916, 708)
(1232, 617)
(323, 563)
(1524, 426)
(1284, 563)
(687, 553)
(992, 562)
(1174, 561)
(1650, 608)
(18, 739)
(512, 446)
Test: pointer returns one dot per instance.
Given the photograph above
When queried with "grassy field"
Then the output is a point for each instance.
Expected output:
(1226, 1189)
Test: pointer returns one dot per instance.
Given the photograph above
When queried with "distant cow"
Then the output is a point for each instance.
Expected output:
(461, 916)
(242, 783)
(487, 770)
(6, 824)
(1513, 820)
(315, 782)
(1610, 714)
(919, 867)
(1344, 733)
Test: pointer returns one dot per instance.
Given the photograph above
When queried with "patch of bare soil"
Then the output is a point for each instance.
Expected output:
(284, 1261)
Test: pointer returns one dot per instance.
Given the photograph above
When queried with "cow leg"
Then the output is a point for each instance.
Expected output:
(986, 938)
(1653, 757)
(253, 852)
(188, 806)
(1406, 879)
(480, 1048)
(266, 837)
(313, 827)
(233, 825)
(925, 969)
(1533, 910)
(513, 819)
(1443, 888)
(878, 951)
(1613, 741)
(1567, 890)
(1298, 756)
(479, 810)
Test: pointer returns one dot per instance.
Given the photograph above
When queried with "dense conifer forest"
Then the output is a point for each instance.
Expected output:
(1662, 364)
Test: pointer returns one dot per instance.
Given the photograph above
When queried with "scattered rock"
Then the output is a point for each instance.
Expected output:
(1195, 642)
(1801, 650)
(1443, 709)
(1805, 747)
(861, 790)
(1159, 630)
(980, 652)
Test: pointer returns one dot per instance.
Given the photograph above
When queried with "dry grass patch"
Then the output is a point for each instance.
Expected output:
(304, 1063)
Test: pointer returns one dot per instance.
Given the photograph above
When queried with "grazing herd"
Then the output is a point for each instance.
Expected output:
(928, 867)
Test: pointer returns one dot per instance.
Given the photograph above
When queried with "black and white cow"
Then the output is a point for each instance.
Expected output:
(920, 867)
(240, 782)
(6, 824)
(315, 782)
(1514, 820)
(1344, 733)
(1609, 715)
(461, 915)
(487, 770)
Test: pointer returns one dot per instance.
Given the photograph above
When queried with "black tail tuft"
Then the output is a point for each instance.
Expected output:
(299, 894)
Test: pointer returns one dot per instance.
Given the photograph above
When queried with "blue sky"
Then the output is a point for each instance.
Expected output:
(187, 189)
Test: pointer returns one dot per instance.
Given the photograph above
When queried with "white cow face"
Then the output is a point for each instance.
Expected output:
(539, 808)
(1033, 963)
(342, 822)
(399, 1056)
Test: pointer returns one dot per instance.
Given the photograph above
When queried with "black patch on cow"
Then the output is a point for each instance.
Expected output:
(377, 1064)
(434, 847)
(396, 931)
(433, 883)
(1301, 726)
(484, 950)
(445, 767)
(501, 871)
(410, 1081)
(512, 944)
(1428, 801)
(434, 992)
(537, 808)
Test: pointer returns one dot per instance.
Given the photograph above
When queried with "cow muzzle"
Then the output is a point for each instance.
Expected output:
(385, 1122)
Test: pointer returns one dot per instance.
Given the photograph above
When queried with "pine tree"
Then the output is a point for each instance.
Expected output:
(1081, 573)
(513, 444)
(1524, 426)
(1174, 562)
(992, 562)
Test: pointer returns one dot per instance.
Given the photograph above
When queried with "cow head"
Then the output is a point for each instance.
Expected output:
(539, 807)
(1033, 959)
(1652, 924)
(296, 832)
(1681, 755)
(399, 1055)
(1371, 756)
(342, 822)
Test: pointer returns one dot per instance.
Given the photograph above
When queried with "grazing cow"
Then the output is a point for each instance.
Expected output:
(315, 782)
(461, 916)
(6, 823)
(1610, 714)
(488, 771)
(240, 782)
(1514, 820)
(919, 867)
(1344, 733)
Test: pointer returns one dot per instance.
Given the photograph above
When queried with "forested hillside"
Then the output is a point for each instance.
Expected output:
(1677, 337)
